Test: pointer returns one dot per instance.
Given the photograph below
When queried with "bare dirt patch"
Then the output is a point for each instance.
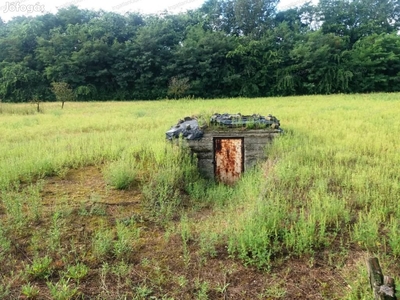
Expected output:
(158, 265)
(85, 186)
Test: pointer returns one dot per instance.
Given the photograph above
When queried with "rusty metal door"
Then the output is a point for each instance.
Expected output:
(228, 159)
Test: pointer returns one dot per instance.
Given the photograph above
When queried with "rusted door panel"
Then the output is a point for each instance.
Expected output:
(228, 159)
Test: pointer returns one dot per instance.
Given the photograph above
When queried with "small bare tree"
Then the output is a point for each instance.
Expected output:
(36, 100)
(178, 86)
(62, 91)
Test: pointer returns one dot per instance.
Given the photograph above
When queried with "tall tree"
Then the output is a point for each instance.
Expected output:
(202, 57)
(72, 15)
(54, 54)
(253, 17)
(20, 83)
(240, 17)
(375, 61)
(358, 18)
(148, 55)
(62, 91)
(319, 65)
(377, 16)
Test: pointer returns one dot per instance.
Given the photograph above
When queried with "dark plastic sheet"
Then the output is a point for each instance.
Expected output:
(188, 128)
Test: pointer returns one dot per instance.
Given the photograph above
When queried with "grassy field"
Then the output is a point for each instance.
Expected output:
(95, 204)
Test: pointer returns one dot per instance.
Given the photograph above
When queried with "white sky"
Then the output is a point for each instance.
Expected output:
(12, 8)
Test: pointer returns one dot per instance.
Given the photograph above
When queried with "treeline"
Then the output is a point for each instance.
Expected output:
(226, 48)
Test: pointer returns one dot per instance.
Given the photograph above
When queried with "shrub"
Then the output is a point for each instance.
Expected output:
(178, 87)
(40, 268)
(77, 272)
(168, 180)
(30, 291)
(126, 237)
(62, 290)
(366, 231)
(102, 243)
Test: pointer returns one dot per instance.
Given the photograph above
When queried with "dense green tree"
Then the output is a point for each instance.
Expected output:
(337, 16)
(377, 16)
(202, 57)
(375, 61)
(54, 54)
(319, 66)
(257, 62)
(253, 17)
(240, 17)
(20, 83)
(72, 15)
(150, 53)
(359, 18)
(226, 48)
(218, 16)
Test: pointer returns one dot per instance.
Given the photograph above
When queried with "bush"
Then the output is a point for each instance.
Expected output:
(40, 268)
(102, 243)
(178, 87)
(168, 181)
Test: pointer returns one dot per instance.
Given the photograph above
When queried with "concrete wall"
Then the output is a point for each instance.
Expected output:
(254, 145)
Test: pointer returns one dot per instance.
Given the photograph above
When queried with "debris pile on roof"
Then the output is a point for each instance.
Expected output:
(190, 129)
(239, 120)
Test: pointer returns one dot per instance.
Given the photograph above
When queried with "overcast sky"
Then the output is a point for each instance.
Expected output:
(11, 8)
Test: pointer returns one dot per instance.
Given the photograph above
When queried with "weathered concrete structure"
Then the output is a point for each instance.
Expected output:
(225, 154)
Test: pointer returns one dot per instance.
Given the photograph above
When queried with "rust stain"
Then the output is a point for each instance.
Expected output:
(228, 159)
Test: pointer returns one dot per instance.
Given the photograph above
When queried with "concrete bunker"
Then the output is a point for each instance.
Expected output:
(229, 144)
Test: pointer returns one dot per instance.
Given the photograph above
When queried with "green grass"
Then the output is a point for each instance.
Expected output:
(332, 177)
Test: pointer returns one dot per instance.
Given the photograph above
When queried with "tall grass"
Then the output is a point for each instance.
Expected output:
(173, 173)
(332, 169)
(334, 179)
(17, 109)
(333, 175)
